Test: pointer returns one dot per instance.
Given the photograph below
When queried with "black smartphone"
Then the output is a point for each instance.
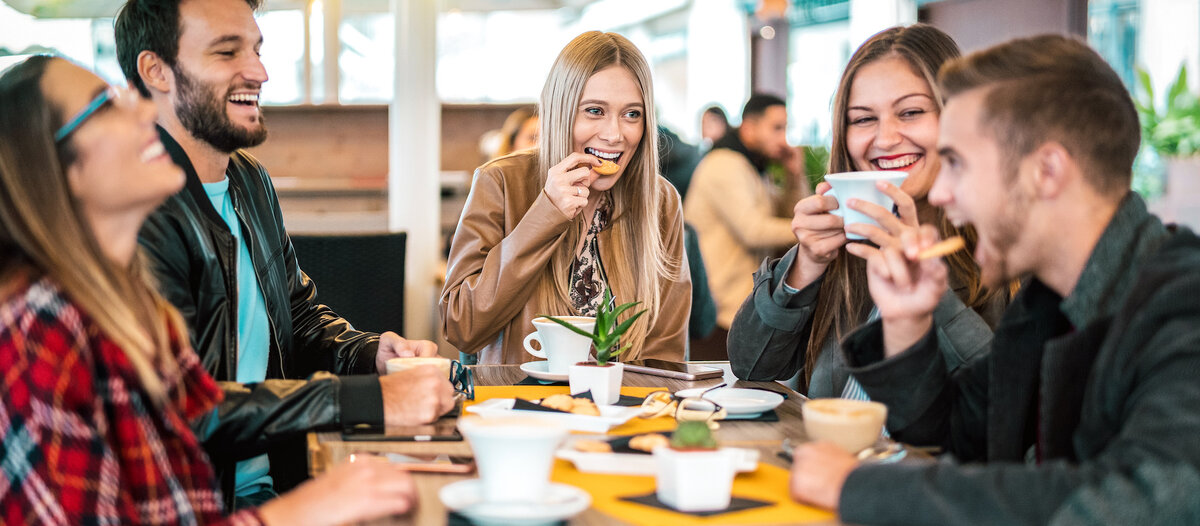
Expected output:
(444, 429)
(680, 370)
(431, 463)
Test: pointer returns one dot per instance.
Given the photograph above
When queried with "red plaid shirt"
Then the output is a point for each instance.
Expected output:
(83, 444)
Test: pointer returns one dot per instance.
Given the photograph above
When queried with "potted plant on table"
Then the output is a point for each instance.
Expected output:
(693, 474)
(602, 377)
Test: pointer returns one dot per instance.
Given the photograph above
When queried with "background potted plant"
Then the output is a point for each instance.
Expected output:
(693, 474)
(1172, 131)
(602, 378)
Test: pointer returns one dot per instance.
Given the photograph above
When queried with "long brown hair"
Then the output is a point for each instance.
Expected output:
(642, 262)
(843, 302)
(43, 232)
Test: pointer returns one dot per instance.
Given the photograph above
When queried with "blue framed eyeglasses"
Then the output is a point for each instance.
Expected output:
(121, 96)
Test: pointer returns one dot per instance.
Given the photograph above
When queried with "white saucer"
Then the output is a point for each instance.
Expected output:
(560, 502)
(738, 401)
(540, 371)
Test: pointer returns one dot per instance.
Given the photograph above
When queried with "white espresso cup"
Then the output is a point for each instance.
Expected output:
(396, 365)
(514, 455)
(861, 185)
(561, 346)
(851, 424)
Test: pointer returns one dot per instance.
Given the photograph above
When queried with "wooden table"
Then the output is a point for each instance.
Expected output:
(327, 448)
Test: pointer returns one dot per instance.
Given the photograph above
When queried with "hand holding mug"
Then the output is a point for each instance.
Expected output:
(885, 228)
(568, 182)
(416, 396)
(819, 234)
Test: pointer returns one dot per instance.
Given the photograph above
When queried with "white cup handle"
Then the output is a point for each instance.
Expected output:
(540, 353)
(836, 211)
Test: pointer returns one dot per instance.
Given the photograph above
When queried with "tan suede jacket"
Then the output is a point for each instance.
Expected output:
(505, 238)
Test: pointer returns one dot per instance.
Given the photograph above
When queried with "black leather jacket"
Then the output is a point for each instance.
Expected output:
(193, 255)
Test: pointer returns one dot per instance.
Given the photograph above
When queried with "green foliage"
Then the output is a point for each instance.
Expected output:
(608, 331)
(816, 164)
(1174, 129)
(693, 434)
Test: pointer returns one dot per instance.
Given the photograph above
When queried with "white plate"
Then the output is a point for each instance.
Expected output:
(638, 464)
(539, 370)
(561, 502)
(738, 401)
(610, 415)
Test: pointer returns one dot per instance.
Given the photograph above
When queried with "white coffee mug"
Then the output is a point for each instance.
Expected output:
(861, 185)
(851, 424)
(513, 454)
(561, 346)
(395, 365)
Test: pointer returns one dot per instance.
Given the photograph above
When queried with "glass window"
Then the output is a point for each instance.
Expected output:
(88, 42)
(365, 62)
(283, 56)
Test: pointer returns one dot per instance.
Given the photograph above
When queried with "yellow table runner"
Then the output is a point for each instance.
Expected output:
(634, 426)
(769, 483)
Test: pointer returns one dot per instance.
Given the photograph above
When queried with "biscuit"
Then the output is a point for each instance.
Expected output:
(561, 402)
(606, 167)
(593, 446)
(583, 406)
(648, 442)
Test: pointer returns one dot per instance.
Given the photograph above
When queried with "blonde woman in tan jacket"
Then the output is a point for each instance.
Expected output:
(543, 232)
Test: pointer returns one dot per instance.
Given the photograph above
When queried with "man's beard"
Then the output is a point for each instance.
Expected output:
(202, 113)
(1008, 230)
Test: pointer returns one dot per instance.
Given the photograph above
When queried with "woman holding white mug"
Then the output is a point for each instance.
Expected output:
(885, 117)
(545, 231)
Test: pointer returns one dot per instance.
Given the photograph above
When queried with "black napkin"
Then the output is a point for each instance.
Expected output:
(525, 405)
(625, 400)
(621, 444)
(529, 380)
(765, 416)
(735, 504)
(456, 519)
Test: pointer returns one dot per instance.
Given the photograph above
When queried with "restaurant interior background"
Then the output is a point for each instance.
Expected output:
(373, 133)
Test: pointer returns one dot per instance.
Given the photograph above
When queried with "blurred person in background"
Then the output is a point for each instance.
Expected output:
(544, 233)
(731, 203)
(100, 383)
(713, 126)
(886, 117)
(519, 132)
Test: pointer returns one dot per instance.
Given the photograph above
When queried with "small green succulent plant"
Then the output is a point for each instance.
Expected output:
(693, 434)
(607, 331)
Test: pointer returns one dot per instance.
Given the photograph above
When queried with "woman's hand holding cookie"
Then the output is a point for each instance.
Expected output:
(568, 182)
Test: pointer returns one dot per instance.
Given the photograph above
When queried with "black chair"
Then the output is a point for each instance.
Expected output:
(359, 276)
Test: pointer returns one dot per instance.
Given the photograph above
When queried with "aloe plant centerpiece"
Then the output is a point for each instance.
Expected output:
(603, 378)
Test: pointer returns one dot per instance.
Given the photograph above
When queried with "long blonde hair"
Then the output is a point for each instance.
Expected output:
(843, 302)
(641, 260)
(43, 233)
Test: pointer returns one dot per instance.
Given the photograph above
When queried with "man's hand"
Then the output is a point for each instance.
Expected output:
(392, 345)
(819, 470)
(905, 289)
(348, 492)
(415, 396)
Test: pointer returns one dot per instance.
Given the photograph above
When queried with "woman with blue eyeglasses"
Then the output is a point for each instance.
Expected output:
(99, 382)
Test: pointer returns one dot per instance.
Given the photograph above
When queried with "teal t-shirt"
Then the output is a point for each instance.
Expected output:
(253, 332)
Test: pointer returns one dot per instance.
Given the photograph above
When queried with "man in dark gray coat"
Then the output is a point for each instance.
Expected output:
(1086, 408)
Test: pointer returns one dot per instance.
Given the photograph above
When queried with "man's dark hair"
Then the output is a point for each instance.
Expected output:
(1053, 88)
(150, 25)
(758, 104)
